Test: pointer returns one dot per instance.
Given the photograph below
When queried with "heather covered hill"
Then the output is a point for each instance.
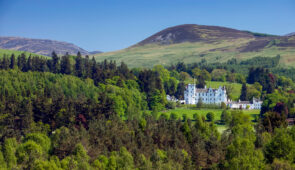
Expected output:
(194, 33)
(193, 43)
(39, 46)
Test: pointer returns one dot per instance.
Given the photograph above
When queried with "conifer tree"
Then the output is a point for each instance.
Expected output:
(5, 63)
(29, 65)
(79, 65)
(65, 65)
(12, 61)
(54, 65)
(87, 67)
(243, 96)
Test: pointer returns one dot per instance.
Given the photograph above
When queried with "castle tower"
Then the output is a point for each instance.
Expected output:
(190, 94)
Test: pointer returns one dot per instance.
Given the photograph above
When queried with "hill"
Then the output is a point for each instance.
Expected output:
(17, 53)
(39, 46)
(193, 43)
(194, 33)
(290, 34)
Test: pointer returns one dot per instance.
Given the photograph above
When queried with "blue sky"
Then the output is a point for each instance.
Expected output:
(109, 25)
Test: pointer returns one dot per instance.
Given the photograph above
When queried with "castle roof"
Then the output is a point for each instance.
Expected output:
(240, 102)
(201, 90)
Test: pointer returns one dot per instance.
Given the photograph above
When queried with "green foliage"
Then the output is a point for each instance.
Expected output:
(144, 164)
(225, 117)
(282, 164)
(223, 105)
(244, 93)
(40, 139)
(81, 157)
(40, 164)
(3, 164)
(241, 126)
(210, 116)
(28, 152)
(200, 103)
(281, 146)
(9, 150)
(187, 131)
(15, 83)
(105, 116)
(125, 159)
(241, 154)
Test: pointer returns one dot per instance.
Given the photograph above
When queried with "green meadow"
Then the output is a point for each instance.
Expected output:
(17, 53)
(149, 55)
(190, 111)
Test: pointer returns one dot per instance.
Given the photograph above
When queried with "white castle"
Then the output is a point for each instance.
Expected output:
(192, 95)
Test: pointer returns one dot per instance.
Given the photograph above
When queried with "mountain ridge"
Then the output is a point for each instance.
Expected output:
(40, 46)
(193, 33)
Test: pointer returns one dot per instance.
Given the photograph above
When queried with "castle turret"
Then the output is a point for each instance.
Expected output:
(190, 94)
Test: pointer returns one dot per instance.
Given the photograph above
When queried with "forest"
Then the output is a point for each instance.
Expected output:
(71, 112)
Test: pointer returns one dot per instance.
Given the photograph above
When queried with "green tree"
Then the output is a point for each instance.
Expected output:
(65, 65)
(206, 75)
(144, 164)
(187, 131)
(282, 164)
(79, 67)
(54, 64)
(81, 157)
(244, 92)
(28, 152)
(281, 146)
(180, 91)
(40, 139)
(125, 159)
(3, 164)
(9, 150)
(200, 103)
(12, 61)
(196, 72)
(210, 116)
(241, 154)
(225, 117)
(21, 61)
(173, 116)
(223, 105)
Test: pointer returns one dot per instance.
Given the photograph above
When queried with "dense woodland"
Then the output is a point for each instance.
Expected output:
(72, 112)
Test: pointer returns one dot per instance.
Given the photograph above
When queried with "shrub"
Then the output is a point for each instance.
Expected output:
(210, 116)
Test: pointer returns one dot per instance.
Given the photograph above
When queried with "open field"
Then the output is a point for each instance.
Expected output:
(17, 53)
(152, 54)
(217, 112)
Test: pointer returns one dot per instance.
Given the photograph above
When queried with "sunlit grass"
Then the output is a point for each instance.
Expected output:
(152, 54)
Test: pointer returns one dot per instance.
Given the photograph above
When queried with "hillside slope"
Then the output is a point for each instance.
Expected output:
(193, 43)
(8, 53)
(39, 46)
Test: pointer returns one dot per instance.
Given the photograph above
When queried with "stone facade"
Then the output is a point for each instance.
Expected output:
(208, 95)
(192, 95)
(255, 104)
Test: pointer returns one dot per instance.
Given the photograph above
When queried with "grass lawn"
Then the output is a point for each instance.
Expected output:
(221, 128)
(191, 111)
(217, 112)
